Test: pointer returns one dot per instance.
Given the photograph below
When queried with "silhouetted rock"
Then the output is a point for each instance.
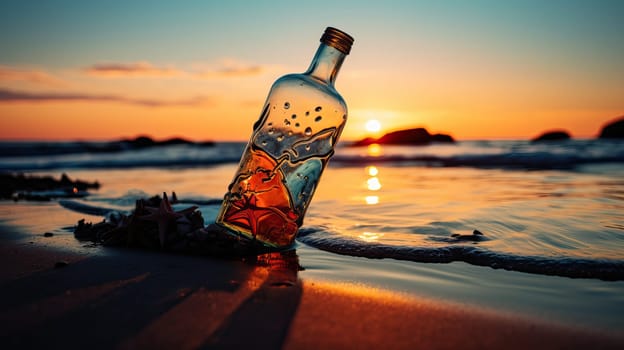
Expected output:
(442, 138)
(557, 135)
(140, 142)
(28, 149)
(613, 130)
(60, 264)
(417, 137)
(146, 141)
(180, 141)
(365, 142)
(42, 188)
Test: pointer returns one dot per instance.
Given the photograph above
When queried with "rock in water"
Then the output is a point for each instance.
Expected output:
(556, 135)
(416, 136)
(442, 138)
(613, 130)
(42, 188)
(61, 264)
(411, 137)
(476, 236)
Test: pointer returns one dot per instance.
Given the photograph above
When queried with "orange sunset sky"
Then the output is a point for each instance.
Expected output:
(202, 69)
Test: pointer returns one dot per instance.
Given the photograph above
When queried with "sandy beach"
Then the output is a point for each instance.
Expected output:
(59, 292)
(131, 299)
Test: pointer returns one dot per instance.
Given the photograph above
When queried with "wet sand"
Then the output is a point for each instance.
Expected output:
(131, 299)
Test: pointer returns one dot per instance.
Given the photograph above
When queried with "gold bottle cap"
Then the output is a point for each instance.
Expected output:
(337, 39)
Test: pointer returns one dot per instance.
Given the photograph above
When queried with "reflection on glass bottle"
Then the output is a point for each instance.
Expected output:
(290, 146)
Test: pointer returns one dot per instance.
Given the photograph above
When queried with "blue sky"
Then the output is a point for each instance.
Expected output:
(77, 32)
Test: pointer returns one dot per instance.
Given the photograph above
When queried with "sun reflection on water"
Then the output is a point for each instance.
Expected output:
(372, 170)
(370, 236)
(370, 200)
(374, 150)
(372, 184)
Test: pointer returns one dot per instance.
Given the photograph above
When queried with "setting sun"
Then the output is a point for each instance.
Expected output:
(373, 125)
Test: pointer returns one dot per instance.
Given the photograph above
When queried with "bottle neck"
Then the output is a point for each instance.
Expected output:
(326, 64)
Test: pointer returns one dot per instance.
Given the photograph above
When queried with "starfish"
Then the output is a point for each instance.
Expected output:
(163, 215)
(250, 213)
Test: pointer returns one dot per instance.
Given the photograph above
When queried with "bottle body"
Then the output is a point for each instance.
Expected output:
(281, 166)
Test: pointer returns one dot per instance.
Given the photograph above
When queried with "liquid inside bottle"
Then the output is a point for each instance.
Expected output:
(289, 148)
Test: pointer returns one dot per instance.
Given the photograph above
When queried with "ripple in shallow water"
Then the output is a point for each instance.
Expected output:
(604, 269)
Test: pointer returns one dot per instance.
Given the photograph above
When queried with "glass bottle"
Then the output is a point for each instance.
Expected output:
(289, 148)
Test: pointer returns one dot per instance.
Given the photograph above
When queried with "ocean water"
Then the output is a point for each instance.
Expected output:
(535, 228)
